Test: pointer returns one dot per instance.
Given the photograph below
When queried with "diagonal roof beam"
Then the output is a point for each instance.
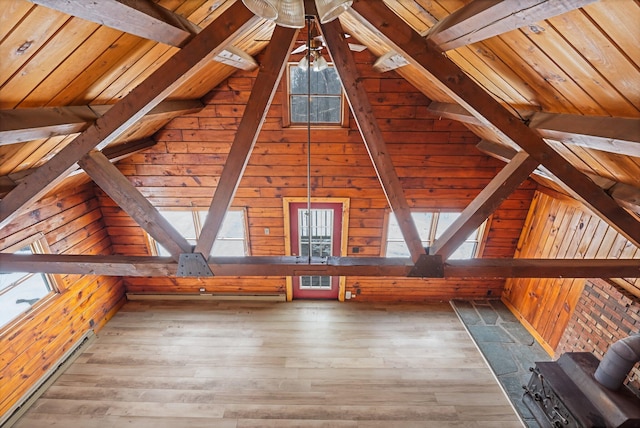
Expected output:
(619, 135)
(142, 18)
(627, 196)
(482, 19)
(337, 266)
(113, 153)
(487, 201)
(26, 124)
(455, 83)
(120, 189)
(266, 84)
(160, 84)
(363, 113)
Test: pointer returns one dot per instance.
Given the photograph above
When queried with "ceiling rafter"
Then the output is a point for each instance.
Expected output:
(120, 189)
(482, 19)
(627, 196)
(26, 124)
(371, 134)
(160, 84)
(262, 93)
(143, 18)
(113, 153)
(448, 77)
(488, 200)
(619, 135)
(338, 266)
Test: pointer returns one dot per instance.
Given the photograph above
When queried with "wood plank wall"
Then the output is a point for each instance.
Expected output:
(436, 159)
(71, 221)
(560, 227)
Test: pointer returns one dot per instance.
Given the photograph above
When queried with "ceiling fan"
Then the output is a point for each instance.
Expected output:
(317, 43)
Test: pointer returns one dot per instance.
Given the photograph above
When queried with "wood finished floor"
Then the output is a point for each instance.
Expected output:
(259, 364)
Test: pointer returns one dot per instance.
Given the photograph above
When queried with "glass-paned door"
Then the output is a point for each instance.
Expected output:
(316, 232)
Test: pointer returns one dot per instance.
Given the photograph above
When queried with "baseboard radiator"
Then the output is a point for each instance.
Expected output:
(275, 297)
(17, 410)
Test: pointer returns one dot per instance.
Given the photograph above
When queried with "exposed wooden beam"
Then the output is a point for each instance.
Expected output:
(451, 80)
(120, 189)
(627, 196)
(482, 19)
(124, 150)
(542, 268)
(113, 153)
(264, 88)
(237, 58)
(26, 124)
(608, 134)
(487, 201)
(454, 112)
(389, 61)
(143, 18)
(374, 141)
(160, 84)
(336, 266)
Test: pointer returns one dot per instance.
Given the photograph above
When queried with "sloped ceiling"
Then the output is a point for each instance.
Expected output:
(551, 88)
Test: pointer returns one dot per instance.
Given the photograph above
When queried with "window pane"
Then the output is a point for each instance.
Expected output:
(423, 223)
(232, 225)
(325, 82)
(297, 80)
(444, 221)
(231, 236)
(322, 82)
(19, 299)
(397, 249)
(20, 290)
(228, 248)
(182, 221)
(326, 109)
(465, 251)
(298, 105)
(315, 282)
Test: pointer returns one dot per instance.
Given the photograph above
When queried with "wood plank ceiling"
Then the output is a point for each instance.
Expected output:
(550, 87)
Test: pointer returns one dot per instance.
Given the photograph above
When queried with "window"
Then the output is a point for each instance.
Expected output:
(320, 225)
(325, 96)
(21, 291)
(430, 226)
(231, 239)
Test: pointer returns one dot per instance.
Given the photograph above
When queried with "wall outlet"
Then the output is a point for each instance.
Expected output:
(347, 295)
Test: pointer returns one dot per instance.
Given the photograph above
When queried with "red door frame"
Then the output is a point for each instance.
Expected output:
(337, 208)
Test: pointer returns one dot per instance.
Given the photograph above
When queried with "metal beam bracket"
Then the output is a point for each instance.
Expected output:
(193, 265)
(428, 266)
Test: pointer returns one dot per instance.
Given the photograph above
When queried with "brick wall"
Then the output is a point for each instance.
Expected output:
(602, 316)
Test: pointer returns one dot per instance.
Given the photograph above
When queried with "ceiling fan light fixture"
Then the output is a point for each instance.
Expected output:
(290, 13)
(263, 8)
(303, 64)
(328, 10)
(319, 63)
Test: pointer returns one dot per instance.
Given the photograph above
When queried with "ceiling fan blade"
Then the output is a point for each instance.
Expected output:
(299, 49)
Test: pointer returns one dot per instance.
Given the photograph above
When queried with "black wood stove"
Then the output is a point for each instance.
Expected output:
(568, 393)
